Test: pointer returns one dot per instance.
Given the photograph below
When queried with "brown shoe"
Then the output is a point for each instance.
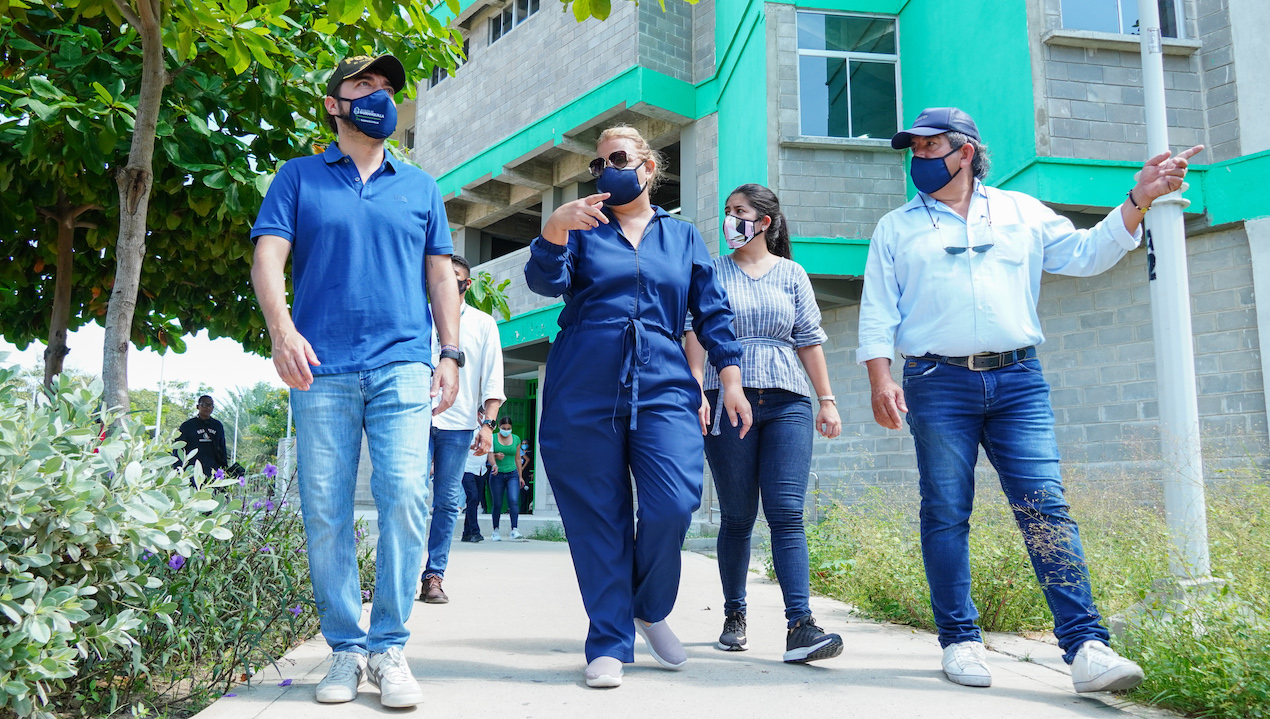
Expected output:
(432, 593)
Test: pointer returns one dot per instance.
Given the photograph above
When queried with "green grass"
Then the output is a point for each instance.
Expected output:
(549, 532)
(1211, 660)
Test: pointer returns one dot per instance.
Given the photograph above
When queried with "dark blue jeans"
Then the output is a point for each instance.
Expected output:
(772, 464)
(504, 483)
(952, 411)
(474, 489)
(449, 449)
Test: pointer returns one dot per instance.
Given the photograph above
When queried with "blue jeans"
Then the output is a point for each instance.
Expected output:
(474, 489)
(507, 483)
(392, 404)
(951, 412)
(772, 463)
(449, 449)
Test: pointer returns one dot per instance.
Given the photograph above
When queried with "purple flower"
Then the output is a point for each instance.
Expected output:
(229, 695)
(365, 595)
(271, 471)
(266, 548)
(176, 562)
(268, 505)
(109, 475)
(147, 555)
(242, 481)
(285, 682)
(301, 550)
(218, 475)
(257, 504)
(296, 611)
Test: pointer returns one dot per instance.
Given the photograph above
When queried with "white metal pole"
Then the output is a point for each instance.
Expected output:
(1171, 318)
(158, 415)
(235, 460)
(283, 480)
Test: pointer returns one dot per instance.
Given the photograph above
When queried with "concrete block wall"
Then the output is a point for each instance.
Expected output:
(1217, 65)
(520, 298)
(1099, 360)
(543, 64)
(1093, 104)
(703, 40)
(828, 188)
(666, 39)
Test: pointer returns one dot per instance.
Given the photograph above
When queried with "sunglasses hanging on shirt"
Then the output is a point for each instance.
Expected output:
(977, 249)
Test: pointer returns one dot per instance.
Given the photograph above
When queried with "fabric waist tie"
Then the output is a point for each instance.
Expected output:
(636, 353)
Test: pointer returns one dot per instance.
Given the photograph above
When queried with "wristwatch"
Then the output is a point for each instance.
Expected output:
(454, 353)
(489, 423)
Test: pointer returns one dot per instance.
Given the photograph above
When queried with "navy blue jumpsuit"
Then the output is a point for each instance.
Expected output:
(619, 400)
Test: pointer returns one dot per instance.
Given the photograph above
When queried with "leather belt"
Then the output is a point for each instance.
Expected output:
(985, 360)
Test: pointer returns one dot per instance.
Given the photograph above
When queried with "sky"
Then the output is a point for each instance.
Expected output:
(220, 363)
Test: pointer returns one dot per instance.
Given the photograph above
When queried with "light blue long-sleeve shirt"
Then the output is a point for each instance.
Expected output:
(919, 299)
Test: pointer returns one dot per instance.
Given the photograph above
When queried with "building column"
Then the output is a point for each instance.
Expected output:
(1258, 232)
(544, 501)
(688, 172)
(467, 242)
(551, 199)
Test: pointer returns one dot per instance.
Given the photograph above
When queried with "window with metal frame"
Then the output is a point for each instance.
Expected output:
(511, 16)
(848, 75)
(439, 73)
(1119, 16)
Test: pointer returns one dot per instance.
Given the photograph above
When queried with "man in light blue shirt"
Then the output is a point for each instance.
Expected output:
(952, 282)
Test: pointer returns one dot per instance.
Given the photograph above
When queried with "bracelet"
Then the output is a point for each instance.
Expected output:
(827, 398)
(449, 347)
(1135, 204)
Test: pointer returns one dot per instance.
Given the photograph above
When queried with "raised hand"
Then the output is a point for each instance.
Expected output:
(583, 214)
(1163, 174)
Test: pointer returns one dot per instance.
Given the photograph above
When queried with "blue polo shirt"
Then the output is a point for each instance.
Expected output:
(357, 257)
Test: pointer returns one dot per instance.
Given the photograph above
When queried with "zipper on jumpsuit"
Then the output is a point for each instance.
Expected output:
(635, 350)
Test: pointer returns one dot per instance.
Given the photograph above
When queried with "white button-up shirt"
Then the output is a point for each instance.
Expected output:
(481, 376)
(919, 299)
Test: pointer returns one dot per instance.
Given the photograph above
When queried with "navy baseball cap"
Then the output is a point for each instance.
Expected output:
(936, 121)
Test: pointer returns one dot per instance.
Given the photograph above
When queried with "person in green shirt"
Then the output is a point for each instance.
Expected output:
(508, 467)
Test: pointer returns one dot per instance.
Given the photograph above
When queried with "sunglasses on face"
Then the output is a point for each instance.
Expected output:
(618, 159)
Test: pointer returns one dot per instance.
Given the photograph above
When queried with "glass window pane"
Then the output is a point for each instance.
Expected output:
(823, 96)
(1168, 17)
(873, 99)
(845, 33)
(533, 6)
(522, 10)
(1097, 15)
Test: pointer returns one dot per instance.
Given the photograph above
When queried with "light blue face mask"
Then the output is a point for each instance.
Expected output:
(375, 114)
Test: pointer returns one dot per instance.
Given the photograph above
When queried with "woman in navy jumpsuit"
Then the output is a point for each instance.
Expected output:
(619, 399)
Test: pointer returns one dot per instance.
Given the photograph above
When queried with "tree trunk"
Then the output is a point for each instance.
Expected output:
(55, 353)
(66, 217)
(135, 180)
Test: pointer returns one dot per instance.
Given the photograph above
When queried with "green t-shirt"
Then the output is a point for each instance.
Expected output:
(508, 462)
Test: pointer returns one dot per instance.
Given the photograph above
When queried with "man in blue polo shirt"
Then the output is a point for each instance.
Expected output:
(369, 243)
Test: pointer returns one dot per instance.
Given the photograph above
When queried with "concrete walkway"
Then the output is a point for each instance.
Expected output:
(509, 645)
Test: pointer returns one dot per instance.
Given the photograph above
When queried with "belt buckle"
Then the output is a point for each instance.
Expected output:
(970, 362)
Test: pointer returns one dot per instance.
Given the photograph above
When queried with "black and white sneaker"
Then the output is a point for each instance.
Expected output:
(807, 642)
(733, 637)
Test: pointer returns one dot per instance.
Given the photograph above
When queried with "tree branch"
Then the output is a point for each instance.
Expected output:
(128, 14)
(77, 211)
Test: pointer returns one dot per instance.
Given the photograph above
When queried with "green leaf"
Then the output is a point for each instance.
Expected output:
(581, 10)
(218, 180)
(103, 93)
(601, 9)
(44, 88)
(199, 124)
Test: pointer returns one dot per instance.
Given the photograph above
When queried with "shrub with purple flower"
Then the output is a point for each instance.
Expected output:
(176, 562)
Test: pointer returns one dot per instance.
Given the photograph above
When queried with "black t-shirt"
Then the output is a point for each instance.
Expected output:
(208, 437)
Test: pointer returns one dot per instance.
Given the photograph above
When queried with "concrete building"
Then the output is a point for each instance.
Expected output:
(803, 96)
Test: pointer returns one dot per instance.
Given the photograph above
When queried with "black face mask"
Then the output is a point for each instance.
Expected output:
(463, 285)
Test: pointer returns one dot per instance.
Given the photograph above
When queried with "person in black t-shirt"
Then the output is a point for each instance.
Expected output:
(207, 435)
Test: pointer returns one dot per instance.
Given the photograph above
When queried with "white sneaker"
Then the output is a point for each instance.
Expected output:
(604, 673)
(1097, 668)
(496, 537)
(389, 671)
(966, 663)
(340, 683)
(662, 643)
(516, 534)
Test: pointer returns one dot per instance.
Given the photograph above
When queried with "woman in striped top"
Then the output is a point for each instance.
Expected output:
(778, 324)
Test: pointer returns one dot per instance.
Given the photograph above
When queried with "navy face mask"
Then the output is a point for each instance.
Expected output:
(622, 185)
(375, 114)
(930, 174)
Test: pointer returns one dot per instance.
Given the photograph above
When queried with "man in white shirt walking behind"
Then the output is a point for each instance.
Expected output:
(451, 441)
(951, 283)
